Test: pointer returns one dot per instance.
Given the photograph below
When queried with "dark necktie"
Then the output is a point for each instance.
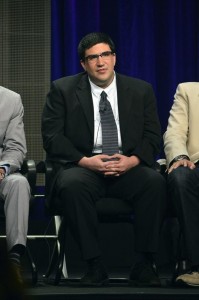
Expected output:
(109, 128)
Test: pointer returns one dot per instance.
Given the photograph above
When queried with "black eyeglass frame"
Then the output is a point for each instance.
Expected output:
(94, 57)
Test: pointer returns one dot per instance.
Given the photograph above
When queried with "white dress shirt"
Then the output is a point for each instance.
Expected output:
(111, 92)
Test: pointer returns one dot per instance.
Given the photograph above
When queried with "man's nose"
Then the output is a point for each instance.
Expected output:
(100, 60)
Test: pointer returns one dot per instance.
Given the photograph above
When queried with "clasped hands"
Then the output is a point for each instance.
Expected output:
(114, 165)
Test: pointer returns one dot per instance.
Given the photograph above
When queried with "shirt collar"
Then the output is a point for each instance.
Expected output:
(96, 90)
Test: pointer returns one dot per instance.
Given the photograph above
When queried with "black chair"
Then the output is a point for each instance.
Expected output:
(28, 169)
(112, 211)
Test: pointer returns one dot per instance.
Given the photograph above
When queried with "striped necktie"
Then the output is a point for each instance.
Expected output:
(109, 128)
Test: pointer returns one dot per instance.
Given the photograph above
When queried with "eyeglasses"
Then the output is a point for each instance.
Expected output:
(94, 57)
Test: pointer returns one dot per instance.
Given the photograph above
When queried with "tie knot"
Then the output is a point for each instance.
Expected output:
(103, 102)
(103, 95)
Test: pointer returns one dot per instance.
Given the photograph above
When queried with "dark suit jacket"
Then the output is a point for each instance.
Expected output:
(68, 119)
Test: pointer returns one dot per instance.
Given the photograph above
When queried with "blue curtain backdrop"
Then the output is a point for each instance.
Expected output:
(156, 40)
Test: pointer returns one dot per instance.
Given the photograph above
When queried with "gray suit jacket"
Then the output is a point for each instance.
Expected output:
(12, 136)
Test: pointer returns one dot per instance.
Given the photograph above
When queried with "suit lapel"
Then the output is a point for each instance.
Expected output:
(83, 93)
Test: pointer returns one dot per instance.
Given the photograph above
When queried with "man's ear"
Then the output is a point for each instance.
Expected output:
(115, 59)
(83, 65)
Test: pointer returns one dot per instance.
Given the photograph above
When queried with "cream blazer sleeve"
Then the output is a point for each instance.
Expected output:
(182, 134)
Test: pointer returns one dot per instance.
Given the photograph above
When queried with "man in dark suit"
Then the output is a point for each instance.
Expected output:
(84, 172)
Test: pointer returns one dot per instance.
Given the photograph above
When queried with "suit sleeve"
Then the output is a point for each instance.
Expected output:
(148, 147)
(14, 144)
(175, 137)
(55, 142)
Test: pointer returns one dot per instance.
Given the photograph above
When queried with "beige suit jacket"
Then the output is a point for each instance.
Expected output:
(182, 134)
(12, 136)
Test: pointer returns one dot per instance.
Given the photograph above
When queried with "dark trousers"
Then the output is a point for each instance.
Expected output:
(183, 188)
(78, 189)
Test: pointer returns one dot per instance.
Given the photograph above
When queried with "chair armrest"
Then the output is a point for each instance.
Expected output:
(28, 169)
(45, 167)
(160, 166)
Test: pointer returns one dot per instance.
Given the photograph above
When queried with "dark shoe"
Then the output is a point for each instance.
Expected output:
(16, 271)
(96, 276)
(12, 282)
(145, 275)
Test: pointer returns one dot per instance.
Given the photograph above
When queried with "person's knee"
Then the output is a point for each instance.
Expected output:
(20, 182)
(19, 185)
(71, 186)
(157, 181)
(179, 176)
(16, 178)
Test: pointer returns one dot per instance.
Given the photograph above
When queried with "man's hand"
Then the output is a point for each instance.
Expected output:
(95, 163)
(121, 164)
(2, 174)
(114, 165)
(182, 162)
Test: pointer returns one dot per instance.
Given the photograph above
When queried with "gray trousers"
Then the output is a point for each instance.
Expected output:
(16, 192)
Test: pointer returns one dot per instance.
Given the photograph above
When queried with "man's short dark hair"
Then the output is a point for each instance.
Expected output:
(92, 39)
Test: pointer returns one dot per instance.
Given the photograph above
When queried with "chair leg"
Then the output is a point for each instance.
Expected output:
(181, 263)
(57, 258)
(52, 261)
(60, 262)
(33, 267)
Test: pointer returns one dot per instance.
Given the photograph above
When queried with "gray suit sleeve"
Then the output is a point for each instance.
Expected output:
(13, 148)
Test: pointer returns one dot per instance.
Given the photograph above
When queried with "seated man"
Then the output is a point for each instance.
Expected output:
(14, 188)
(102, 133)
(181, 142)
